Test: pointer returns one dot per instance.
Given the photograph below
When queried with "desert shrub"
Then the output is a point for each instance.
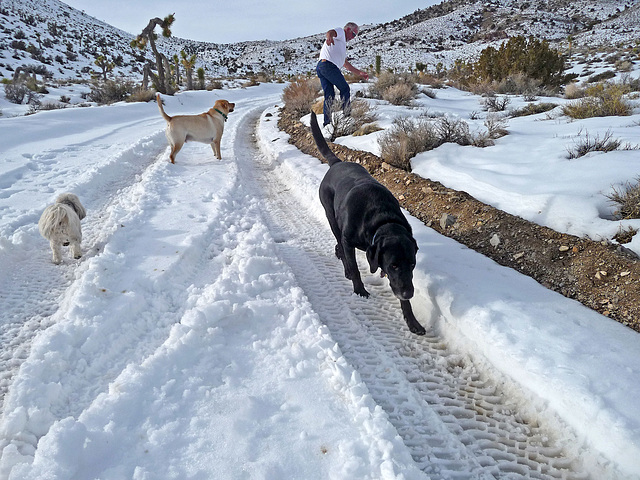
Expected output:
(408, 137)
(16, 92)
(367, 129)
(397, 87)
(602, 100)
(429, 93)
(533, 109)
(399, 94)
(630, 83)
(141, 95)
(405, 139)
(360, 114)
(601, 77)
(299, 95)
(215, 85)
(628, 200)
(110, 91)
(496, 104)
(625, 235)
(452, 130)
(496, 127)
(530, 57)
(572, 92)
(588, 144)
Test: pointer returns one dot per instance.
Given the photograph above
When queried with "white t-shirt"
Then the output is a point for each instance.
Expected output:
(336, 53)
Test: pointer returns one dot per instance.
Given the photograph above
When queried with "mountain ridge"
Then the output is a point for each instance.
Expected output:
(67, 41)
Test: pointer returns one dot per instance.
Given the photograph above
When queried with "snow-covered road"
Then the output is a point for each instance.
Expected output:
(208, 331)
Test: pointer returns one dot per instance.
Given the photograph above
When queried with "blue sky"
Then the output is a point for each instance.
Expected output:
(239, 20)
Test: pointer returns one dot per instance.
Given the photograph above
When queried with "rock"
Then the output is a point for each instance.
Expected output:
(447, 220)
(495, 240)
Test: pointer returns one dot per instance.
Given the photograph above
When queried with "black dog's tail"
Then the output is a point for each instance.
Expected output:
(321, 142)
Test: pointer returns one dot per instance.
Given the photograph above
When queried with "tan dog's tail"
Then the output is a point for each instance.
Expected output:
(164, 115)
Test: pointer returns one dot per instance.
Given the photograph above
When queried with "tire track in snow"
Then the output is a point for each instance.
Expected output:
(113, 318)
(457, 421)
(31, 287)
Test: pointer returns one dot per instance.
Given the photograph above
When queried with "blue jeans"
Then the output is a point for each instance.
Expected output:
(330, 76)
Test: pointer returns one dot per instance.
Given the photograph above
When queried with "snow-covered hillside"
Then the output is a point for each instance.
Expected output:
(66, 41)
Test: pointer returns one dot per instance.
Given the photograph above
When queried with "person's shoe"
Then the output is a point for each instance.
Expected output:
(327, 131)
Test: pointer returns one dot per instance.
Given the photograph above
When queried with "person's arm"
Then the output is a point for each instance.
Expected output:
(331, 34)
(354, 70)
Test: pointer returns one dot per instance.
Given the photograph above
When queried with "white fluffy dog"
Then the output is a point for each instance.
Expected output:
(60, 224)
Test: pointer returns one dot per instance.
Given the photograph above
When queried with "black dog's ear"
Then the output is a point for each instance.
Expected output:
(372, 257)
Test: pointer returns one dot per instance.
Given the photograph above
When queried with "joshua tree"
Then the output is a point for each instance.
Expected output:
(188, 63)
(161, 80)
(201, 78)
(176, 67)
(105, 65)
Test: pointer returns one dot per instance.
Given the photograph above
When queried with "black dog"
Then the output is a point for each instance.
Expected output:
(364, 214)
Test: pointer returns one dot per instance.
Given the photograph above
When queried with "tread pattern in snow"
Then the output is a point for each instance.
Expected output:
(456, 422)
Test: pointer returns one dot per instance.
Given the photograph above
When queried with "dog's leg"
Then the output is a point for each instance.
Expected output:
(175, 148)
(409, 317)
(215, 146)
(75, 249)
(351, 270)
(327, 203)
(56, 248)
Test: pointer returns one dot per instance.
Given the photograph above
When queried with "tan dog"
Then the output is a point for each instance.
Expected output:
(205, 128)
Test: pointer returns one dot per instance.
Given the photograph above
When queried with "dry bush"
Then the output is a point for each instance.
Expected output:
(602, 100)
(630, 83)
(299, 95)
(358, 115)
(140, 95)
(16, 92)
(108, 92)
(399, 94)
(625, 235)
(397, 87)
(215, 84)
(452, 130)
(573, 92)
(533, 109)
(367, 129)
(495, 103)
(628, 200)
(589, 144)
(496, 126)
(405, 139)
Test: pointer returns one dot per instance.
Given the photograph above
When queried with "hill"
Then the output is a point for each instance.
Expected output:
(65, 42)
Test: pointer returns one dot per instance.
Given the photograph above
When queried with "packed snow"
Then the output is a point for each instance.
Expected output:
(184, 344)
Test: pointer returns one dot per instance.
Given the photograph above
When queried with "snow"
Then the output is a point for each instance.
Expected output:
(185, 345)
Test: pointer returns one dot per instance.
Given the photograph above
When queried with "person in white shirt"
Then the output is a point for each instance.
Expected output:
(333, 56)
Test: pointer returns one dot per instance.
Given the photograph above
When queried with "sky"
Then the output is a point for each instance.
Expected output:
(208, 330)
(246, 20)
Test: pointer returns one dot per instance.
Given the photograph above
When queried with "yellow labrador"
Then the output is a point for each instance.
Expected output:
(205, 128)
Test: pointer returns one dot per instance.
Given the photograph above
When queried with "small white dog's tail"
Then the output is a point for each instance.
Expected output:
(50, 220)
(162, 112)
(73, 201)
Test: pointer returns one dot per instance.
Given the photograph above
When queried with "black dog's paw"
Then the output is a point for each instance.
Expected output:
(362, 292)
(417, 329)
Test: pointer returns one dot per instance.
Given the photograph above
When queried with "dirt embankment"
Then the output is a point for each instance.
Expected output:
(600, 275)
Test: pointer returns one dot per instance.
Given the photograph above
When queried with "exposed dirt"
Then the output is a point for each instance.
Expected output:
(601, 275)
